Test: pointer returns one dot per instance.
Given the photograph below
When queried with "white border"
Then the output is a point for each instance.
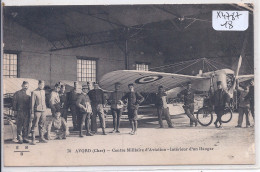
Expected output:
(149, 168)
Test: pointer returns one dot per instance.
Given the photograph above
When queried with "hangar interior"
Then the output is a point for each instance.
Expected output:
(83, 43)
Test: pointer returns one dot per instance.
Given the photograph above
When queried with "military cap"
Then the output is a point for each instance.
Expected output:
(40, 81)
(131, 84)
(57, 85)
(25, 82)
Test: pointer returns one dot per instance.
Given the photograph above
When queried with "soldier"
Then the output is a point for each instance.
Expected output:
(116, 106)
(162, 108)
(21, 108)
(244, 107)
(72, 98)
(54, 101)
(188, 95)
(57, 128)
(38, 108)
(84, 106)
(220, 100)
(97, 102)
(63, 102)
(250, 97)
(134, 99)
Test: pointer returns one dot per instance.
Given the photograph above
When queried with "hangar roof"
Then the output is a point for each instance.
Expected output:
(173, 30)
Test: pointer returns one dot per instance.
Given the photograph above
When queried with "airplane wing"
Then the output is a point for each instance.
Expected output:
(145, 81)
(11, 85)
(242, 78)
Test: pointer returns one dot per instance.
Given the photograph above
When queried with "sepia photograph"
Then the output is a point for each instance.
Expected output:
(127, 85)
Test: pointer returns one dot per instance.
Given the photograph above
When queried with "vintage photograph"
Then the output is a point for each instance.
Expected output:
(117, 85)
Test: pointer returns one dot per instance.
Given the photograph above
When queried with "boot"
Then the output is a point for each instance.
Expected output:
(196, 123)
(20, 139)
(33, 138)
(26, 140)
(89, 134)
(42, 139)
(104, 133)
(80, 131)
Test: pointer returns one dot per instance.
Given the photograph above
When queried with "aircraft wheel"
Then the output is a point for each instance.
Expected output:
(227, 115)
(204, 116)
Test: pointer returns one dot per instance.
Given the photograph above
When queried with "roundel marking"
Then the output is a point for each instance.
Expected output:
(148, 79)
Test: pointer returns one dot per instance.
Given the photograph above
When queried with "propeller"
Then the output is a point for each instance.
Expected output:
(237, 72)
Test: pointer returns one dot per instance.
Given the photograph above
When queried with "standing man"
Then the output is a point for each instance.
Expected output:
(116, 107)
(220, 100)
(97, 102)
(134, 99)
(21, 108)
(72, 98)
(85, 110)
(38, 108)
(188, 95)
(162, 108)
(54, 101)
(63, 102)
(244, 107)
(250, 97)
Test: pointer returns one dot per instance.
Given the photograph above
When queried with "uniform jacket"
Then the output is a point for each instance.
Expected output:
(72, 97)
(133, 99)
(160, 100)
(243, 101)
(82, 102)
(97, 96)
(220, 98)
(57, 124)
(38, 101)
(21, 101)
(188, 96)
(250, 95)
(64, 100)
(55, 102)
(114, 98)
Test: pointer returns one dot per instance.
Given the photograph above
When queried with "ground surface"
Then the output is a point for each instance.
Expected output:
(151, 146)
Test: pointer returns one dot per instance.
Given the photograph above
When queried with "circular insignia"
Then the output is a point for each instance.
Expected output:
(148, 79)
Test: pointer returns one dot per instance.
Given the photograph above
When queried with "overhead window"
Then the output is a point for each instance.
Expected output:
(86, 70)
(10, 65)
(142, 66)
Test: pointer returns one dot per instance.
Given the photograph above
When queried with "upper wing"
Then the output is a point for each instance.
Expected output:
(144, 81)
(242, 78)
(11, 85)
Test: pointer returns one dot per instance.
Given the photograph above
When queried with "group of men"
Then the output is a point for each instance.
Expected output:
(86, 104)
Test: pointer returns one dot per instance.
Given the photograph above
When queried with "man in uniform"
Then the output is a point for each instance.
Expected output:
(72, 98)
(250, 97)
(220, 100)
(97, 102)
(54, 101)
(134, 99)
(63, 102)
(188, 95)
(38, 108)
(162, 108)
(116, 106)
(21, 108)
(244, 107)
(85, 110)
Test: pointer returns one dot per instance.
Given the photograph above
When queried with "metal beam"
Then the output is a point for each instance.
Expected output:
(75, 41)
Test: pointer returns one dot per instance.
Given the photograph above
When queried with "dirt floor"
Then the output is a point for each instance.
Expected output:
(151, 146)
